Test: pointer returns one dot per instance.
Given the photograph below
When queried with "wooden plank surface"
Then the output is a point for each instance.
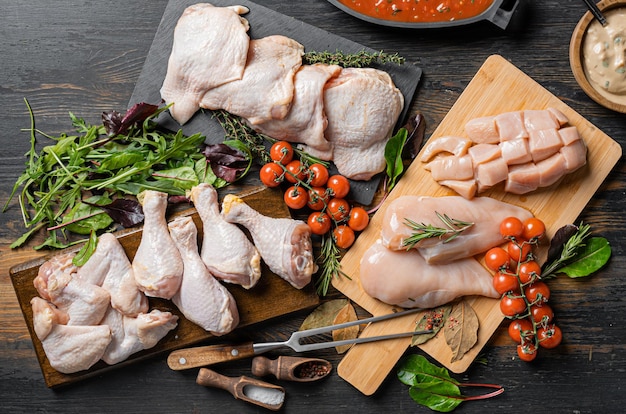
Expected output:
(497, 87)
(252, 304)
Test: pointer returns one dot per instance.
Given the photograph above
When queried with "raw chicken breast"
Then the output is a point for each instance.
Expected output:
(201, 298)
(133, 334)
(110, 268)
(226, 250)
(69, 348)
(266, 90)
(362, 106)
(157, 264)
(285, 244)
(306, 121)
(413, 283)
(194, 66)
(486, 214)
(482, 130)
(84, 302)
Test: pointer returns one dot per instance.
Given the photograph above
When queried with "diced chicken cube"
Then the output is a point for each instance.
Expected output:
(516, 151)
(510, 126)
(450, 144)
(465, 188)
(522, 179)
(482, 130)
(558, 116)
(569, 135)
(481, 153)
(538, 119)
(451, 168)
(544, 143)
(551, 169)
(491, 173)
(575, 155)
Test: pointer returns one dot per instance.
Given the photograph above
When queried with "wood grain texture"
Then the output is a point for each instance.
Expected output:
(497, 87)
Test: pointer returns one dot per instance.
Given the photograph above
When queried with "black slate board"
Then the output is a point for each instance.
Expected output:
(263, 22)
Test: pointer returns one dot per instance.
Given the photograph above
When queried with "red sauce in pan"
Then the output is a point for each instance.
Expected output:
(419, 11)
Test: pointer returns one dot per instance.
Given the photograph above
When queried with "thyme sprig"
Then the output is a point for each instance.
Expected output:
(453, 228)
(352, 60)
(328, 259)
(570, 249)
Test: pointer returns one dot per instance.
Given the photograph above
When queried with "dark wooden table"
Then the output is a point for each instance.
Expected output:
(85, 57)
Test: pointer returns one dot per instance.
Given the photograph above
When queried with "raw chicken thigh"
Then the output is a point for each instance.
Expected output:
(157, 265)
(266, 90)
(413, 283)
(134, 334)
(194, 66)
(226, 250)
(110, 268)
(362, 106)
(69, 348)
(285, 244)
(84, 302)
(486, 213)
(306, 121)
(201, 298)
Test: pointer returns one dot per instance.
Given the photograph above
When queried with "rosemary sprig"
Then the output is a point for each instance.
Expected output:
(352, 60)
(575, 242)
(453, 228)
(328, 258)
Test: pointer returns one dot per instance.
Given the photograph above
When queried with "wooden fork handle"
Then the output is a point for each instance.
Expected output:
(201, 356)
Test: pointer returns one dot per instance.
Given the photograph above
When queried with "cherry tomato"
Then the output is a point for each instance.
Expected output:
(505, 282)
(521, 329)
(296, 197)
(358, 218)
(533, 229)
(339, 185)
(529, 271)
(318, 197)
(318, 175)
(282, 152)
(511, 227)
(550, 336)
(338, 208)
(497, 258)
(343, 236)
(541, 314)
(271, 174)
(512, 305)
(319, 222)
(527, 351)
(519, 250)
(537, 292)
(297, 170)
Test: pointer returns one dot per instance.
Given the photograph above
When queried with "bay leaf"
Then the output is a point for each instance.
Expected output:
(324, 315)
(433, 319)
(345, 314)
(461, 329)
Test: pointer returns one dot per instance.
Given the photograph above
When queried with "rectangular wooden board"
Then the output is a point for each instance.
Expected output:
(263, 22)
(496, 88)
(252, 304)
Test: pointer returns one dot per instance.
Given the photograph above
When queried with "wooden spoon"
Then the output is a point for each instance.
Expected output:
(243, 388)
(289, 368)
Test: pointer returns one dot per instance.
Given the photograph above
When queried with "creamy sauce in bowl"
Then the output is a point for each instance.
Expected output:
(604, 56)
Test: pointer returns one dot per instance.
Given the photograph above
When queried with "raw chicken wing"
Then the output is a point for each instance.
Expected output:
(157, 264)
(210, 48)
(226, 250)
(405, 279)
(285, 244)
(201, 298)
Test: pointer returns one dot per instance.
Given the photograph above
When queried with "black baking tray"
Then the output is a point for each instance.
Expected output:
(263, 22)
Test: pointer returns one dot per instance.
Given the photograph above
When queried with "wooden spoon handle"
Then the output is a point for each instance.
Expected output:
(208, 355)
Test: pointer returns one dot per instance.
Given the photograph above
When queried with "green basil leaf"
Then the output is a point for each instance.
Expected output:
(393, 156)
(438, 397)
(589, 259)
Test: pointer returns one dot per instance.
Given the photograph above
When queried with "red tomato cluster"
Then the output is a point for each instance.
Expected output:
(524, 295)
(313, 187)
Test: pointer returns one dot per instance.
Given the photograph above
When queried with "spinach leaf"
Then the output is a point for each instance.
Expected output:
(589, 258)
(393, 157)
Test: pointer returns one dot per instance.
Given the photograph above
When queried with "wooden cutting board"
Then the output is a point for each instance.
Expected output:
(497, 87)
(252, 304)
